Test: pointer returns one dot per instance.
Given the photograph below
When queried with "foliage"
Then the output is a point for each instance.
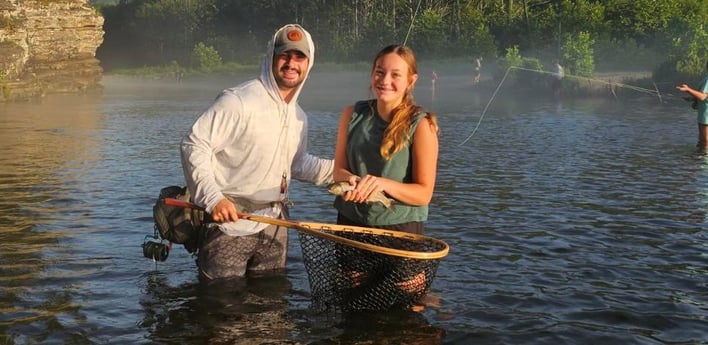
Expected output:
(528, 77)
(640, 20)
(473, 34)
(430, 37)
(206, 58)
(512, 58)
(691, 46)
(607, 57)
(156, 32)
(688, 48)
(519, 70)
(578, 55)
(580, 16)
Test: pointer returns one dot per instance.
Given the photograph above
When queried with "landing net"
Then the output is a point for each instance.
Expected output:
(365, 269)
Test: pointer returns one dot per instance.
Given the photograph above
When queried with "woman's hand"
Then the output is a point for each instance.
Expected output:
(366, 187)
(353, 194)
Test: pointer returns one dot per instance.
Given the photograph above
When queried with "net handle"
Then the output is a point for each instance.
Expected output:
(310, 228)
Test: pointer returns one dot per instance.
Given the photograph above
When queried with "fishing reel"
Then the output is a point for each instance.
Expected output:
(155, 249)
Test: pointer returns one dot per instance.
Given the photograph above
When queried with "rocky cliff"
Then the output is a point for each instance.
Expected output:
(48, 46)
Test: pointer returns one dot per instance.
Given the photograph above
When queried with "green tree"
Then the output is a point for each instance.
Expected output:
(577, 54)
(512, 58)
(640, 20)
(155, 32)
(690, 34)
(206, 58)
(170, 25)
(475, 37)
(429, 37)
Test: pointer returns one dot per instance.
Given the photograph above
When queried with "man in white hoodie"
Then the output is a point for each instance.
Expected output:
(241, 154)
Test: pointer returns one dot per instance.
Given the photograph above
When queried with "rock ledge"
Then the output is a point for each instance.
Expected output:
(48, 46)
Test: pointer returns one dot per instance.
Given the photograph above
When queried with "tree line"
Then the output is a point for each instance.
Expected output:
(665, 36)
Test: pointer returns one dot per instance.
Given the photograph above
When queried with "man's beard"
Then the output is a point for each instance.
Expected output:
(287, 83)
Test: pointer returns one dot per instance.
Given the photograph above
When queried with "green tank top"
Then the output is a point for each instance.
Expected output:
(364, 135)
(701, 106)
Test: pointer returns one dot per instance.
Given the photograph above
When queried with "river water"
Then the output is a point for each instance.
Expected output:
(572, 222)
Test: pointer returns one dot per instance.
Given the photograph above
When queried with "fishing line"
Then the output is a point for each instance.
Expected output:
(479, 122)
(610, 83)
(410, 27)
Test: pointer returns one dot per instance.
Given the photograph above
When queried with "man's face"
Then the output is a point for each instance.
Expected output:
(290, 69)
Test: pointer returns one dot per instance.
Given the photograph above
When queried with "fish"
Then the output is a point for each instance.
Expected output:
(339, 188)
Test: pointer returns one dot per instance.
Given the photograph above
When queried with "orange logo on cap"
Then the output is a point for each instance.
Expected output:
(294, 35)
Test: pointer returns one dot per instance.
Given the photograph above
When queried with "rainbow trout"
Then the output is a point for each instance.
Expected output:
(339, 188)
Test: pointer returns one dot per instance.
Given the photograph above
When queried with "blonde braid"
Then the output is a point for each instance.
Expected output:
(397, 133)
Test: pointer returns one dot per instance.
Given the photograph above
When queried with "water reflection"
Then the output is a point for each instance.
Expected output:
(700, 214)
(44, 148)
(255, 310)
(230, 311)
(402, 327)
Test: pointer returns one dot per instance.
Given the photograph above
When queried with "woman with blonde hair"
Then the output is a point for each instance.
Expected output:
(388, 145)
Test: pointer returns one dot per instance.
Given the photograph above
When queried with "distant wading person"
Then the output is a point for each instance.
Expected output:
(477, 70)
(241, 154)
(698, 97)
(433, 79)
(557, 82)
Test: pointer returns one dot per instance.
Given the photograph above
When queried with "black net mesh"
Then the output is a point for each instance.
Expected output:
(348, 278)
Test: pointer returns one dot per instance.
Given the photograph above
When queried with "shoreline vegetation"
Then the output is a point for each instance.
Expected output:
(586, 37)
(172, 70)
(601, 83)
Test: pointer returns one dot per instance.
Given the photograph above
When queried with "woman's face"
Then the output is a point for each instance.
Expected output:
(391, 79)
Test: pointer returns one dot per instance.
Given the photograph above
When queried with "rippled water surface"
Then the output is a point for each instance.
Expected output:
(581, 222)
